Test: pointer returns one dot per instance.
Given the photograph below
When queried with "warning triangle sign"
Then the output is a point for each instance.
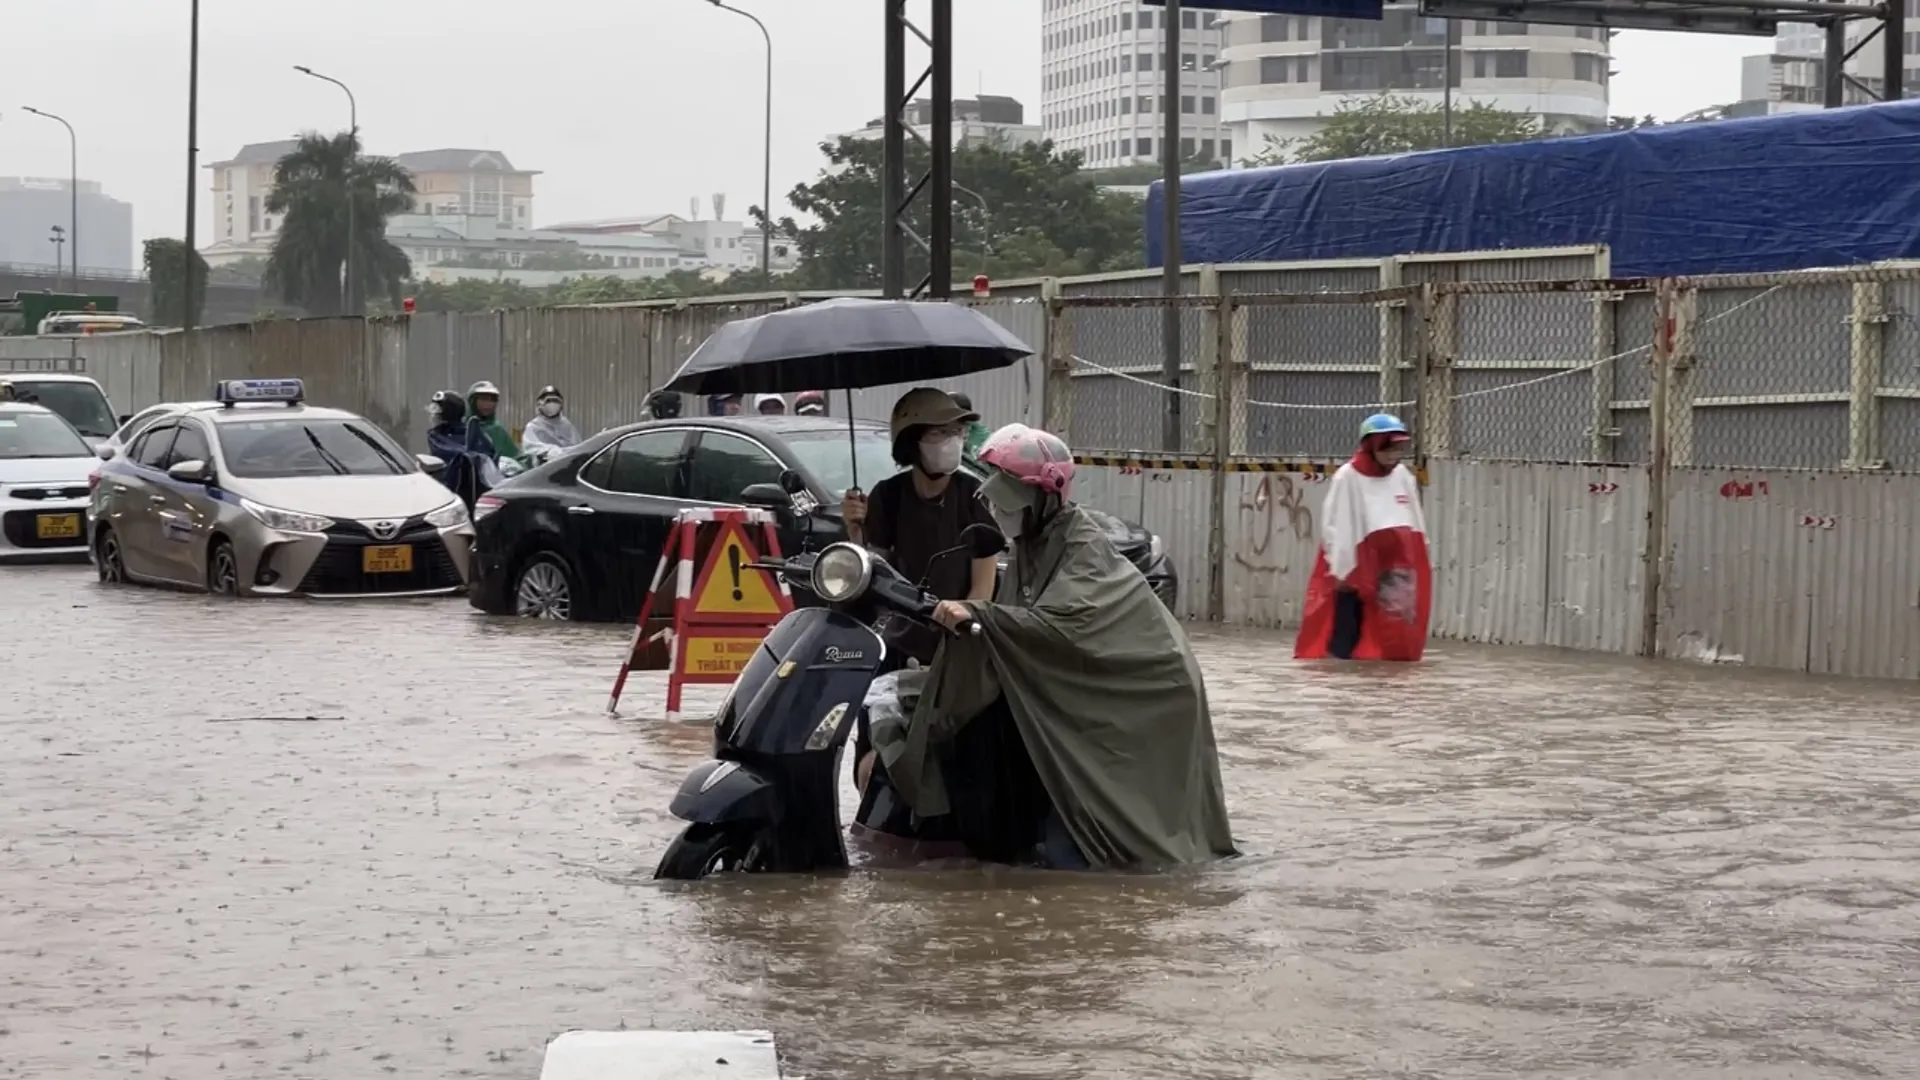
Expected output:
(728, 589)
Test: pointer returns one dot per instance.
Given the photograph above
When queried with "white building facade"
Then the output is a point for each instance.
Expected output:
(1103, 86)
(987, 120)
(1284, 73)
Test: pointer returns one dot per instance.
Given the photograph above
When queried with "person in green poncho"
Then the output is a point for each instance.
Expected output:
(1068, 726)
(483, 402)
(977, 432)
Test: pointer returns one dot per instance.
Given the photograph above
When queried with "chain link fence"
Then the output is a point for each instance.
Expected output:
(1110, 386)
(1810, 370)
(1807, 370)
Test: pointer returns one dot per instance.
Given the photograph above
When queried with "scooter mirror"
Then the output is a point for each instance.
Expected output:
(984, 541)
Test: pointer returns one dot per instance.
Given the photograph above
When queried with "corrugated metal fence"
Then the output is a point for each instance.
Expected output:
(1725, 469)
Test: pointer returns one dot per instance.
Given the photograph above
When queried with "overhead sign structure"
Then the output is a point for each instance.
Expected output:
(1326, 9)
(1749, 17)
(710, 624)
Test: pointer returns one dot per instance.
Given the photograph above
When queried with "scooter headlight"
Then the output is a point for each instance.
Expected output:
(842, 572)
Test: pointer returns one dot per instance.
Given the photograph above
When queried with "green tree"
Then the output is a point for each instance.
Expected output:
(1136, 175)
(1392, 123)
(311, 188)
(487, 295)
(165, 260)
(1025, 211)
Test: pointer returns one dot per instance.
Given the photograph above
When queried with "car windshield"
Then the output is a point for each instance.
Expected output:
(81, 403)
(302, 446)
(39, 435)
(827, 456)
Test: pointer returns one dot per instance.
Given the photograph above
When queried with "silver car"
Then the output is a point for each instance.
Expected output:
(139, 422)
(261, 495)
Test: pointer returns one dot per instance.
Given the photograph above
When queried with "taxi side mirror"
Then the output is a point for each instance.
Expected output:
(430, 464)
(191, 472)
(103, 452)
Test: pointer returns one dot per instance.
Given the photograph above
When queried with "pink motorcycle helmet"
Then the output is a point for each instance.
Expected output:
(1033, 457)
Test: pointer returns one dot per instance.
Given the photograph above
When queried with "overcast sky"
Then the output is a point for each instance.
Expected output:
(625, 106)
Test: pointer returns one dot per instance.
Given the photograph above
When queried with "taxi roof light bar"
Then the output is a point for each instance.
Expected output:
(231, 392)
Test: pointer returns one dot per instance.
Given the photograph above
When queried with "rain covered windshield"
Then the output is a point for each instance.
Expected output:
(80, 403)
(39, 435)
(829, 458)
(297, 446)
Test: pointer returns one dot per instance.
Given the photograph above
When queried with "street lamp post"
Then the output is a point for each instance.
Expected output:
(766, 153)
(57, 238)
(189, 251)
(353, 150)
(73, 191)
(986, 222)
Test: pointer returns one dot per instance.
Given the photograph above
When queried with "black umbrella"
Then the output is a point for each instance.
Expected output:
(847, 344)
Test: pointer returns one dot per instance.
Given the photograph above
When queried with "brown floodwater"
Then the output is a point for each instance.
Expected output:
(324, 840)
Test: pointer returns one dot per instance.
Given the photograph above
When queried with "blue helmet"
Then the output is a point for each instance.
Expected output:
(1382, 424)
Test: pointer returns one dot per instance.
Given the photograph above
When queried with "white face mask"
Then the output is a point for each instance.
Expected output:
(549, 408)
(940, 456)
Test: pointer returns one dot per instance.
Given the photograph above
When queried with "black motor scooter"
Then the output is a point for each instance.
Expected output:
(769, 802)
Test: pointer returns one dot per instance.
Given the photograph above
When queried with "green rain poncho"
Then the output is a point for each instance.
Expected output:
(496, 432)
(1105, 691)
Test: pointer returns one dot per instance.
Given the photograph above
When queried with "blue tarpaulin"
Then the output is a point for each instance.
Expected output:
(1829, 188)
(1330, 9)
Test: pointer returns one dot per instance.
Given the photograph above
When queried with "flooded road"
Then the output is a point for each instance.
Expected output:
(1496, 864)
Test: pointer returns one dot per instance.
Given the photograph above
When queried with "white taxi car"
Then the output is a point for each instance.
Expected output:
(260, 494)
(44, 465)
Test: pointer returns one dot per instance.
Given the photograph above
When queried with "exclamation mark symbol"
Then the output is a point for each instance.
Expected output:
(733, 564)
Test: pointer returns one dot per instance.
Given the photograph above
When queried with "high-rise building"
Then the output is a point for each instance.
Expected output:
(1285, 73)
(1800, 39)
(30, 208)
(1103, 86)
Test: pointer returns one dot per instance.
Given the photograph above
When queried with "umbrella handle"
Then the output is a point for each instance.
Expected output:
(853, 445)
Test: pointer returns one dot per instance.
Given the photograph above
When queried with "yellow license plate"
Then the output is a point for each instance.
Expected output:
(57, 527)
(392, 559)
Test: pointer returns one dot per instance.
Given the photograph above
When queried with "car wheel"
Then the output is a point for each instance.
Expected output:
(543, 589)
(223, 570)
(106, 557)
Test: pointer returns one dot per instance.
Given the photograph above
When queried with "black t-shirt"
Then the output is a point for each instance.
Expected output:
(912, 530)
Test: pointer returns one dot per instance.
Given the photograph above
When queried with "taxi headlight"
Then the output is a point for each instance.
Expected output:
(286, 520)
(841, 573)
(448, 516)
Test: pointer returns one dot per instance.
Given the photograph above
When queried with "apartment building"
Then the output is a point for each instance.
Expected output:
(1283, 74)
(1103, 81)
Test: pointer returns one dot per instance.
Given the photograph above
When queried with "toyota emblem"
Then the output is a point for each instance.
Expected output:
(383, 530)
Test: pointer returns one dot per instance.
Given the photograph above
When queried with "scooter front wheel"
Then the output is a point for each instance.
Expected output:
(702, 850)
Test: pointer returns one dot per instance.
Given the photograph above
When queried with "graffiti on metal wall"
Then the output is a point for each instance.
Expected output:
(1275, 507)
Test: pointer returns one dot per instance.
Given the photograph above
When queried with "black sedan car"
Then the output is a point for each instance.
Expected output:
(580, 536)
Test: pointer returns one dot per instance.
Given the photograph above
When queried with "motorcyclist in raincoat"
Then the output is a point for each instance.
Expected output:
(550, 432)
(1073, 729)
(663, 405)
(463, 448)
(1371, 590)
(977, 432)
(483, 401)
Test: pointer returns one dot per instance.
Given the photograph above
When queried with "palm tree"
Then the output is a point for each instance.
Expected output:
(310, 191)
